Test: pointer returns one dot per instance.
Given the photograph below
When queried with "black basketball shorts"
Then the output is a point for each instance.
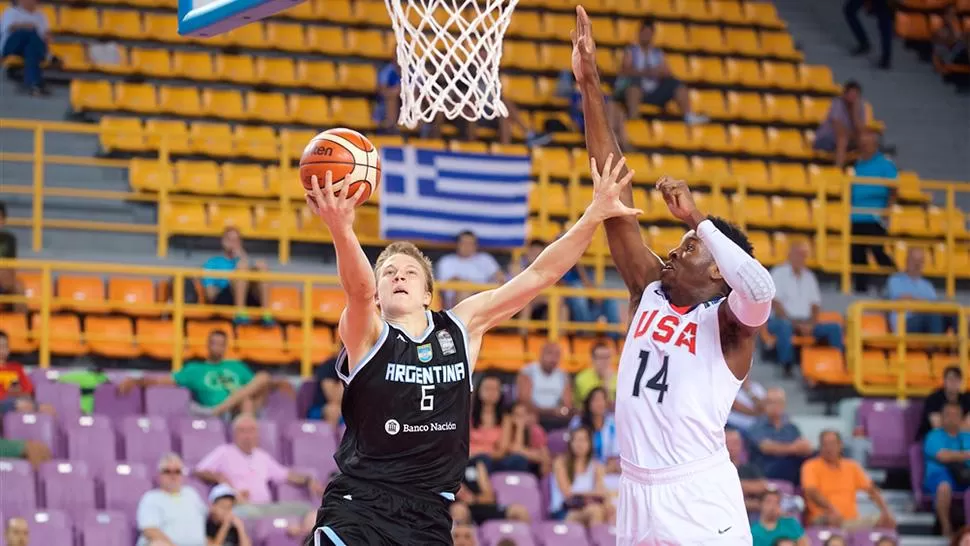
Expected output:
(360, 513)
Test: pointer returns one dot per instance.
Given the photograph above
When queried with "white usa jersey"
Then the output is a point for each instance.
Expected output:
(674, 388)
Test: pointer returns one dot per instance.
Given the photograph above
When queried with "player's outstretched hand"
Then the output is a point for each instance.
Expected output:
(333, 207)
(679, 200)
(584, 49)
(607, 186)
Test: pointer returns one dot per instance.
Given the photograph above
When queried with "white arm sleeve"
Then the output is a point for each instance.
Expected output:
(752, 287)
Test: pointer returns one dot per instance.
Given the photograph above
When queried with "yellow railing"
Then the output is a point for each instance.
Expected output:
(289, 205)
(47, 302)
(901, 344)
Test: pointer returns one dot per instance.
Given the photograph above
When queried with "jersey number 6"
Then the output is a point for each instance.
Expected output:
(658, 382)
(427, 397)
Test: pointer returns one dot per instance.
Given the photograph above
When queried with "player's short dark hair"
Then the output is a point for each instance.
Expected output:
(821, 435)
(850, 85)
(733, 232)
(465, 232)
(953, 371)
(646, 22)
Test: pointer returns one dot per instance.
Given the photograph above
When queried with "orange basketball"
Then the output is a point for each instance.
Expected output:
(348, 155)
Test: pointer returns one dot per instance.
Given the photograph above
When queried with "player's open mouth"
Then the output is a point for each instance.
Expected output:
(667, 267)
(400, 291)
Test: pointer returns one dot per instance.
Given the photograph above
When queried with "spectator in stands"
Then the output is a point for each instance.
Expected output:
(222, 527)
(248, 469)
(910, 284)
(388, 106)
(772, 526)
(950, 42)
(467, 264)
(601, 374)
(219, 385)
(578, 487)
(884, 18)
(947, 453)
(241, 293)
(463, 534)
(753, 482)
(16, 532)
(952, 392)
(886, 541)
(585, 309)
(545, 387)
(871, 195)
(795, 310)
(9, 285)
(328, 397)
(835, 540)
(25, 32)
(749, 405)
(537, 309)
(779, 448)
(16, 388)
(784, 542)
(491, 432)
(830, 482)
(599, 421)
(173, 514)
(476, 503)
(844, 123)
(529, 439)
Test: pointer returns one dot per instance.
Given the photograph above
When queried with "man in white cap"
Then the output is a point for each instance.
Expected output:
(222, 527)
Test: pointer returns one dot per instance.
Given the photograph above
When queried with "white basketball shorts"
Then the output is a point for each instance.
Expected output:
(695, 504)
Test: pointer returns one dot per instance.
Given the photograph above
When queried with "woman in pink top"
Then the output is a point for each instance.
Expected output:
(491, 432)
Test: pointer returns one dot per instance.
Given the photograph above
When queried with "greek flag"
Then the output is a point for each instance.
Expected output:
(433, 195)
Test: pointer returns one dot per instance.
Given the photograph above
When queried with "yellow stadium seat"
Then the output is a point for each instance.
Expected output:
(267, 107)
(670, 36)
(762, 14)
(728, 11)
(742, 41)
(310, 110)
(814, 109)
(74, 56)
(783, 108)
(677, 166)
(940, 222)
(317, 74)
(200, 177)
(557, 161)
(186, 217)
(745, 72)
(327, 40)
(295, 141)
(754, 210)
(709, 170)
(763, 248)
(749, 140)
(712, 203)
(671, 134)
(82, 21)
(113, 337)
(193, 65)
(256, 142)
(661, 8)
(278, 71)
(752, 173)
(161, 27)
(168, 133)
(136, 97)
(678, 67)
(287, 36)
(339, 11)
(793, 212)
(818, 78)
(747, 106)
(708, 70)
(790, 177)
(211, 139)
(554, 199)
(269, 220)
(373, 13)
(908, 220)
(357, 77)
(556, 26)
(553, 55)
(827, 176)
(121, 24)
(367, 43)
(779, 44)
(709, 103)
(707, 38)
(182, 101)
(351, 112)
(252, 35)
(83, 293)
(149, 175)
(711, 137)
(245, 180)
(236, 68)
(224, 103)
(224, 216)
(91, 95)
(694, 11)
(526, 24)
(627, 30)
(521, 55)
(521, 90)
(782, 75)
(604, 31)
(639, 133)
(788, 143)
(663, 240)
(834, 214)
(124, 134)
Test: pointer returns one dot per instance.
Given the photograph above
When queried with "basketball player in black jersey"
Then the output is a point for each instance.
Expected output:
(407, 372)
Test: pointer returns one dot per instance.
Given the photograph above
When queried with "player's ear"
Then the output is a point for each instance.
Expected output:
(716, 273)
(427, 300)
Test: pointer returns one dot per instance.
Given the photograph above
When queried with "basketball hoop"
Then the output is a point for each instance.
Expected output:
(449, 53)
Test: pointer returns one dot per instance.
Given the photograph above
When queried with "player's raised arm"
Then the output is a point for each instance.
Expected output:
(637, 264)
(492, 307)
(360, 323)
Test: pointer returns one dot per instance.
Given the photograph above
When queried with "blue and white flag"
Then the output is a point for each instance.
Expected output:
(433, 195)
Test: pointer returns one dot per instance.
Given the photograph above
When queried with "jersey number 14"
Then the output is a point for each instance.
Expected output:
(659, 380)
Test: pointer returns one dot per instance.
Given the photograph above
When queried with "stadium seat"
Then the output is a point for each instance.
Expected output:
(742, 41)
(79, 20)
(783, 108)
(180, 101)
(493, 532)
(521, 55)
(244, 180)
(908, 220)
(940, 221)
(224, 103)
(161, 27)
(504, 352)
(91, 96)
(707, 38)
(136, 97)
(211, 139)
(168, 134)
(111, 337)
(779, 44)
(255, 142)
(151, 62)
(197, 437)
(746, 106)
(287, 36)
(80, 293)
(728, 11)
(124, 484)
(351, 112)
(321, 342)
(670, 36)
(357, 77)
(787, 143)
(262, 345)
(709, 103)
(328, 303)
(562, 532)
(91, 439)
(748, 139)
(251, 36)
(285, 302)
(67, 486)
(526, 24)
(320, 75)
(371, 44)
(236, 68)
(782, 75)
(790, 177)
(18, 333)
(370, 13)
(193, 65)
(746, 72)
(125, 134)
(793, 212)
(671, 134)
(145, 439)
(709, 70)
(200, 177)
(104, 529)
(269, 107)
(818, 78)
(310, 444)
(753, 210)
(520, 488)
(310, 110)
(19, 493)
(329, 41)
(149, 175)
(167, 402)
(824, 365)
(155, 338)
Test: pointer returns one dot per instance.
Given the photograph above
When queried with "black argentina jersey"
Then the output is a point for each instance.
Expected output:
(407, 407)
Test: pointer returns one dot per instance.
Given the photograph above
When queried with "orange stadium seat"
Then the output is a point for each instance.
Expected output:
(132, 296)
(80, 293)
(113, 337)
(257, 343)
(65, 334)
(919, 372)
(875, 368)
(18, 332)
(155, 338)
(322, 343)
(328, 303)
(874, 325)
(505, 352)
(824, 365)
(285, 302)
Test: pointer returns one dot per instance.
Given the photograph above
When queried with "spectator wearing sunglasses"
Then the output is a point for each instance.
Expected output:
(173, 514)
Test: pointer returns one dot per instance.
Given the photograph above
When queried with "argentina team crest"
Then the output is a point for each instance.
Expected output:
(446, 343)
(425, 353)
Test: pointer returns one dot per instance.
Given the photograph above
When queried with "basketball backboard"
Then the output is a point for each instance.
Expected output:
(211, 17)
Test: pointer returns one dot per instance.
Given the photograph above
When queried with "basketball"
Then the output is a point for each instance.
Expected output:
(348, 155)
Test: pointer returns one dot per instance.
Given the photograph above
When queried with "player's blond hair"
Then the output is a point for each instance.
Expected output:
(408, 249)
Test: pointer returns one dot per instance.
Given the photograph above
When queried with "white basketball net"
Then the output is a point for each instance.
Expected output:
(449, 53)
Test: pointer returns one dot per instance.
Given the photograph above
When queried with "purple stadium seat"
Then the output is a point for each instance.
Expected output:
(32, 426)
(602, 535)
(50, 527)
(200, 487)
(889, 440)
(105, 529)
(560, 533)
(68, 486)
(269, 438)
(818, 535)
(19, 492)
(91, 439)
(287, 492)
(280, 407)
(916, 470)
(492, 532)
(167, 401)
(145, 439)
(65, 398)
(519, 488)
(198, 437)
(278, 537)
(107, 401)
(868, 537)
(304, 397)
(310, 444)
(558, 441)
(41, 375)
(123, 487)
(264, 529)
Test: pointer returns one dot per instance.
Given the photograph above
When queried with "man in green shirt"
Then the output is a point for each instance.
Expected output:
(602, 373)
(772, 526)
(218, 385)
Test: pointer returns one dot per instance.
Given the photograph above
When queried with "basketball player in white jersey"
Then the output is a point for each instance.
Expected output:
(689, 348)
